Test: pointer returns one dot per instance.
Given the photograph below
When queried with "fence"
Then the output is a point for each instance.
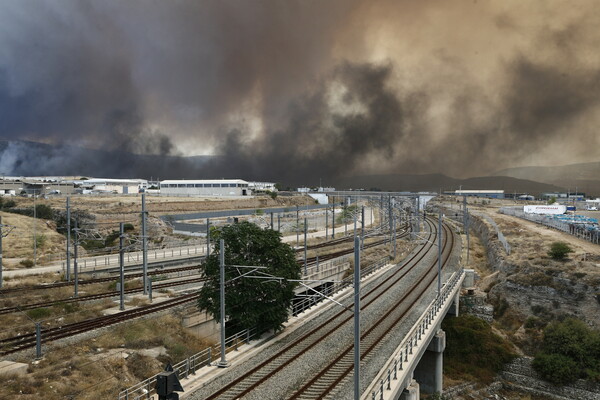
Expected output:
(334, 287)
(136, 257)
(581, 231)
(409, 346)
(146, 389)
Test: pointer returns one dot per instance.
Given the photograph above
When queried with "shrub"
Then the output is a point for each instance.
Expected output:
(39, 313)
(9, 204)
(556, 368)
(570, 350)
(559, 250)
(128, 227)
(27, 263)
(473, 351)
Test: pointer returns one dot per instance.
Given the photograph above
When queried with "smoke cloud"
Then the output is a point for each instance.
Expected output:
(296, 91)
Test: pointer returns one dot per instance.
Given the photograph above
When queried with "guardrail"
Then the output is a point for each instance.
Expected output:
(335, 287)
(571, 228)
(414, 338)
(147, 388)
(153, 255)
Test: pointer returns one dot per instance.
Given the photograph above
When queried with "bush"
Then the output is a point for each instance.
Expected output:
(43, 211)
(559, 250)
(39, 313)
(27, 263)
(570, 350)
(556, 368)
(473, 351)
(9, 204)
(128, 227)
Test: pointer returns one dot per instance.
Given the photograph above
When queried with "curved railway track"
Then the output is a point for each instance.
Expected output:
(95, 280)
(28, 340)
(324, 383)
(262, 372)
(98, 296)
(162, 271)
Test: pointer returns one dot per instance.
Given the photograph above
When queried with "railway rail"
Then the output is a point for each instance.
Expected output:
(249, 381)
(28, 340)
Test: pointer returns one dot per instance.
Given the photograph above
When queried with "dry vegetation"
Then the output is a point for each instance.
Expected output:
(19, 243)
(99, 368)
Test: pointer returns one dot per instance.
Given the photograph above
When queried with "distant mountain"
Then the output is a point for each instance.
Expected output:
(437, 182)
(583, 177)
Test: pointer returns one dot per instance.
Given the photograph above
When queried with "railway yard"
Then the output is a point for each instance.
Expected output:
(104, 343)
(68, 326)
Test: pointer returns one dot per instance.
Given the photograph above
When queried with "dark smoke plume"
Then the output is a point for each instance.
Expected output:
(296, 90)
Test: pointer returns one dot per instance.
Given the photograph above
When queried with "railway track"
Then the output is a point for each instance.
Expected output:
(98, 296)
(249, 381)
(28, 340)
(323, 384)
(96, 280)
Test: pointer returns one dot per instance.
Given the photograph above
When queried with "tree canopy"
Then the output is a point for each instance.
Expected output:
(570, 350)
(250, 302)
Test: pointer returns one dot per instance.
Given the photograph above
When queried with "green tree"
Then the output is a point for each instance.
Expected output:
(559, 250)
(251, 302)
(570, 350)
(552, 200)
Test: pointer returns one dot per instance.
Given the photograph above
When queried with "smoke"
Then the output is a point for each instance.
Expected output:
(296, 91)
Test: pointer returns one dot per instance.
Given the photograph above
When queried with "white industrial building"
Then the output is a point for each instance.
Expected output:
(262, 187)
(213, 187)
(117, 186)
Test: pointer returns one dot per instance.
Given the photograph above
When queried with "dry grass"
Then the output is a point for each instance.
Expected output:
(19, 243)
(99, 368)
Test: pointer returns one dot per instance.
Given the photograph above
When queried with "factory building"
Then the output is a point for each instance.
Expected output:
(115, 186)
(257, 187)
(214, 187)
(491, 194)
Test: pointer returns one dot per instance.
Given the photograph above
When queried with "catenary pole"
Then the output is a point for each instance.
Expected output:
(68, 266)
(357, 318)
(144, 245)
(223, 363)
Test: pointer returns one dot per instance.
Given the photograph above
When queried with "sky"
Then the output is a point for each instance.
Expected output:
(284, 89)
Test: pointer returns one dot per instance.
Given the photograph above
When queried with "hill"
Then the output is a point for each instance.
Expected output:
(584, 177)
(437, 182)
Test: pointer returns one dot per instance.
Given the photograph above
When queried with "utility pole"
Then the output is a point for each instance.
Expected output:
(75, 266)
(34, 234)
(326, 223)
(223, 363)
(278, 222)
(207, 237)
(297, 227)
(356, 318)
(122, 266)
(144, 245)
(305, 250)
(362, 232)
(333, 221)
(68, 270)
(1, 236)
(440, 252)
(272, 226)
(394, 228)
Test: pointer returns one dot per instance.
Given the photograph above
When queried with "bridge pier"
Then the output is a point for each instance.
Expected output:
(412, 391)
(429, 371)
(453, 310)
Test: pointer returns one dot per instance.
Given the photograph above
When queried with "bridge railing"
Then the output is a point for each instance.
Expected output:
(415, 337)
(308, 302)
